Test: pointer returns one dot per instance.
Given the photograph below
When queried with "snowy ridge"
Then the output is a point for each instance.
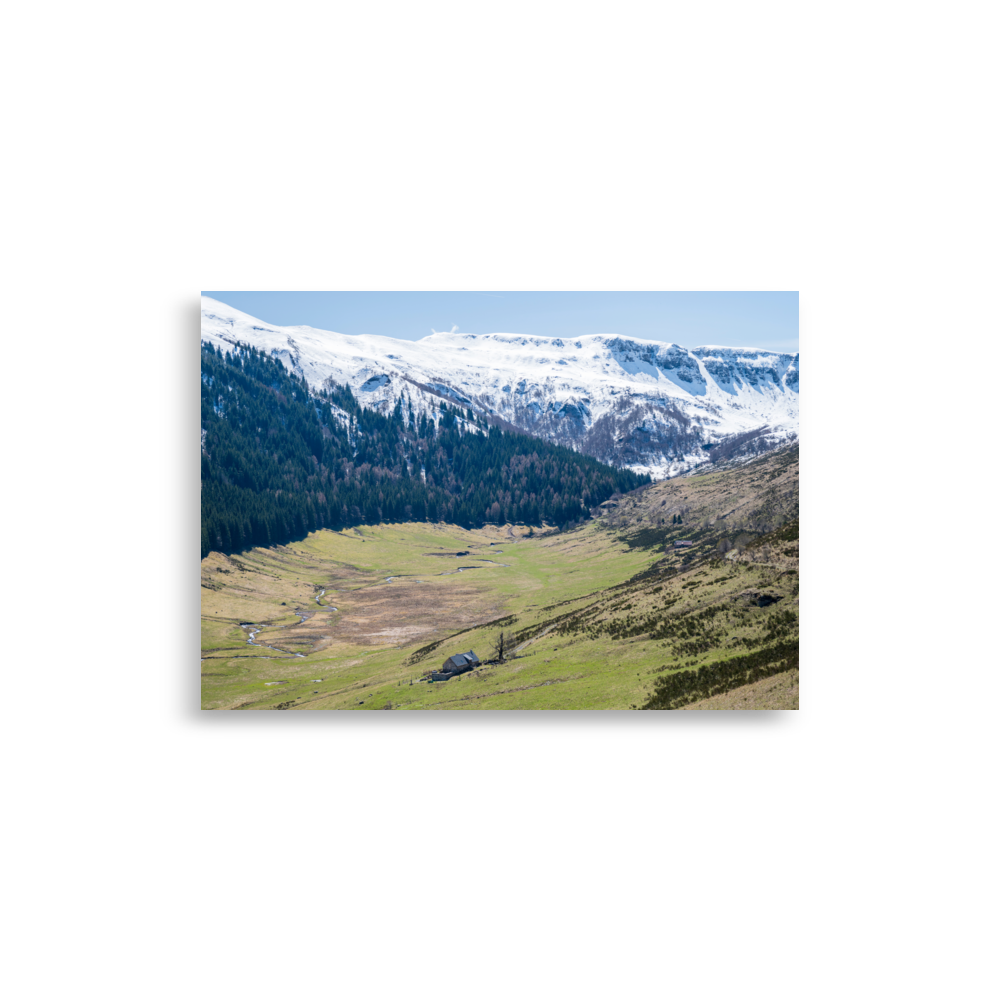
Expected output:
(642, 403)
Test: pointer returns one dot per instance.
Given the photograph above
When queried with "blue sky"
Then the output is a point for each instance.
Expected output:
(732, 319)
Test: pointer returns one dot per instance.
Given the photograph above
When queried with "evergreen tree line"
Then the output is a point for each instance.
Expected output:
(280, 460)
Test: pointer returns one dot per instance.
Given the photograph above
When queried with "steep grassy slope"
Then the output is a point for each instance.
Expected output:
(602, 616)
(780, 691)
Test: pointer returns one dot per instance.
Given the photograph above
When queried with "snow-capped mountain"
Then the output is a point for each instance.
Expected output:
(651, 406)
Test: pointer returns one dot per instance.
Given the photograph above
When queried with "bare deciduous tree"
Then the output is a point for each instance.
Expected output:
(501, 647)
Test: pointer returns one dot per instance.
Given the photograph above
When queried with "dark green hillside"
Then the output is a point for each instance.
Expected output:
(277, 462)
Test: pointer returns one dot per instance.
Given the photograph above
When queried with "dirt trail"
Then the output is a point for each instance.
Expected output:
(528, 642)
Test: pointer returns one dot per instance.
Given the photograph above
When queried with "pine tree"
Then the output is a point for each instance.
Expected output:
(277, 463)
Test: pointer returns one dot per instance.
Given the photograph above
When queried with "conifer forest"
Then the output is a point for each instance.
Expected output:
(280, 460)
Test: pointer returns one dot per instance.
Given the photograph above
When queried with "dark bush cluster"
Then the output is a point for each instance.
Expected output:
(649, 538)
(424, 651)
(695, 647)
(787, 533)
(691, 630)
(781, 625)
(676, 690)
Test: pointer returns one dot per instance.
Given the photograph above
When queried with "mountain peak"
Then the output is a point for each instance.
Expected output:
(646, 404)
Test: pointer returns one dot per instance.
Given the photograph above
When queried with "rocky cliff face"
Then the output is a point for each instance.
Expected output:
(654, 407)
(733, 367)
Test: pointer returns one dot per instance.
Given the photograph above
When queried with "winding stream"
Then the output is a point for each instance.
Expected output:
(252, 629)
(327, 607)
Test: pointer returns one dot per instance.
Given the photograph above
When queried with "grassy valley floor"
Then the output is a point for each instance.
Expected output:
(606, 616)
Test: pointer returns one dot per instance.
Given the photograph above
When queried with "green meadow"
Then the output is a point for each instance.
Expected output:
(600, 616)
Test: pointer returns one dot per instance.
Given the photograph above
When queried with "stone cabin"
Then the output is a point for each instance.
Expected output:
(460, 663)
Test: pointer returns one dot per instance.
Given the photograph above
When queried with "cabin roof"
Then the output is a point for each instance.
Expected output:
(461, 659)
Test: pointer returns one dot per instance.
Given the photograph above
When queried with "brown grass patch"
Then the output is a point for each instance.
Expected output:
(403, 614)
